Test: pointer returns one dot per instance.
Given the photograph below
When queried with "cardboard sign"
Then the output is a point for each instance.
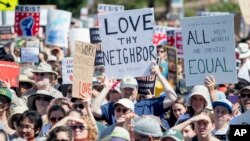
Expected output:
(209, 46)
(27, 20)
(57, 28)
(103, 8)
(172, 66)
(9, 72)
(30, 54)
(67, 70)
(146, 84)
(179, 46)
(8, 5)
(83, 69)
(244, 8)
(77, 34)
(127, 42)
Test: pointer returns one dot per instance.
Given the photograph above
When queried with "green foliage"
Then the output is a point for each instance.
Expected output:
(225, 7)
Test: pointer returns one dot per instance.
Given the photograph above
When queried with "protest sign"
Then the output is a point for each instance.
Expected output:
(146, 84)
(83, 69)
(244, 8)
(127, 42)
(209, 46)
(77, 34)
(9, 72)
(94, 35)
(160, 36)
(103, 8)
(171, 37)
(30, 54)
(8, 5)
(178, 43)
(172, 66)
(67, 70)
(5, 35)
(33, 44)
(27, 20)
(57, 29)
(95, 39)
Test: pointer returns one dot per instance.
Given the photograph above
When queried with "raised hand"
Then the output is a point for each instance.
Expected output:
(26, 26)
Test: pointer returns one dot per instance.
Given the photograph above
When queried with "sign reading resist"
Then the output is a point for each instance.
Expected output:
(127, 42)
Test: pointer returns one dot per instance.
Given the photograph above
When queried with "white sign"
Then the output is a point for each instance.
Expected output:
(127, 42)
(67, 70)
(57, 28)
(30, 54)
(102, 8)
(78, 34)
(208, 44)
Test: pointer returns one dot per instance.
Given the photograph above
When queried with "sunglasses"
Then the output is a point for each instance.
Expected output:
(42, 98)
(76, 106)
(245, 95)
(40, 74)
(118, 110)
(54, 119)
(74, 127)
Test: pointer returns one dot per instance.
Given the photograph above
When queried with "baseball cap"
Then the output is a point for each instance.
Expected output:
(223, 102)
(6, 93)
(148, 126)
(174, 134)
(126, 103)
(129, 82)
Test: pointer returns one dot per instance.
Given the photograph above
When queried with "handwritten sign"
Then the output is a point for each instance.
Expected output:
(146, 84)
(27, 20)
(103, 8)
(57, 28)
(9, 71)
(127, 42)
(67, 70)
(30, 54)
(83, 68)
(209, 49)
(244, 8)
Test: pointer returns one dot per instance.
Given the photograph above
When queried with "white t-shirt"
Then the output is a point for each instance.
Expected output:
(220, 134)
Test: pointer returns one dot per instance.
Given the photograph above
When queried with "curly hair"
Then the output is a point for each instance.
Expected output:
(92, 131)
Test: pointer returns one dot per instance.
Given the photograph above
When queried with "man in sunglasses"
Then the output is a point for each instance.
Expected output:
(245, 102)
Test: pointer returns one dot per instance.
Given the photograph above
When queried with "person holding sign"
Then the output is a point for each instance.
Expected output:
(129, 89)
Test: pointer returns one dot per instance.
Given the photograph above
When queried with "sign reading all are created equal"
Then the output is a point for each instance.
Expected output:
(209, 49)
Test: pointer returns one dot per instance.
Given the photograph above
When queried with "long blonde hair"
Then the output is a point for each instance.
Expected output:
(92, 131)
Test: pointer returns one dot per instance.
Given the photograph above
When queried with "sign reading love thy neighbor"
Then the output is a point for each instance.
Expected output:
(127, 42)
(84, 59)
(209, 49)
(27, 20)
(67, 70)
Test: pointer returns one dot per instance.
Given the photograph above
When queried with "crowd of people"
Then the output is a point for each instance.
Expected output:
(43, 109)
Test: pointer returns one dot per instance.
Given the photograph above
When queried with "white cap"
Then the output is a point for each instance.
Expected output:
(129, 82)
(126, 103)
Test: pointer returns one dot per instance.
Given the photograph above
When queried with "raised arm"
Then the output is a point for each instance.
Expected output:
(96, 107)
(210, 83)
(170, 93)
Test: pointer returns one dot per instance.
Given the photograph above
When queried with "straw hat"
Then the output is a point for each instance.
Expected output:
(14, 111)
(24, 78)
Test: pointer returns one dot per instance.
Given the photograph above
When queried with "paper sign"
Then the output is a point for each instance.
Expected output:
(209, 45)
(244, 8)
(57, 28)
(102, 8)
(95, 39)
(172, 66)
(127, 42)
(30, 54)
(83, 69)
(8, 5)
(67, 70)
(160, 36)
(9, 72)
(146, 84)
(5, 35)
(178, 42)
(27, 20)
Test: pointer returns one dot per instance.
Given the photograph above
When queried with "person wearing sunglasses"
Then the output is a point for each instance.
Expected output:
(39, 101)
(60, 133)
(55, 114)
(245, 103)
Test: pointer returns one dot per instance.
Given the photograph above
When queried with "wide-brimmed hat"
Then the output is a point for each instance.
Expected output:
(14, 111)
(44, 68)
(24, 78)
(244, 50)
(32, 97)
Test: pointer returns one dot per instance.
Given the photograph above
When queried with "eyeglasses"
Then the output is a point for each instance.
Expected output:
(54, 119)
(21, 126)
(42, 98)
(81, 127)
(245, 95)
(118, 110)
(76, 106)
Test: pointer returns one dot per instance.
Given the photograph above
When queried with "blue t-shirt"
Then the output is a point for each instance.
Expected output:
(153, 106)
